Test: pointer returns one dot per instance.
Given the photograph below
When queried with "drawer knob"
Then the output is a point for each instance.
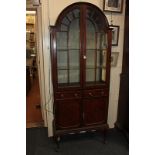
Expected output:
(90, 94)
(62, 95)
(102, 93)
(76, 95)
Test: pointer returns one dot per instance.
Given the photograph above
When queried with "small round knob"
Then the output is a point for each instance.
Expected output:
(84, 57)
(90, 94)
(102, 93)
(76, 95)
(62, 95)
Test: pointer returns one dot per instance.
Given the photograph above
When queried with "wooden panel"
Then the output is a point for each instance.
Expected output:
(68, 95)
(95, 93)
(68, 114)
(94, 111)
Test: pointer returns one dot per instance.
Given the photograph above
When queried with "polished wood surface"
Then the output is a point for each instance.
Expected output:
(68, 113)
(94, 111)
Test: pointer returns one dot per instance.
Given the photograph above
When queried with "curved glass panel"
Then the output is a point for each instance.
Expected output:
(96, 48)
(68, 50)
(74, 33)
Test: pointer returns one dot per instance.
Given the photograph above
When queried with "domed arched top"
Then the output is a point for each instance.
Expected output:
(91, 12)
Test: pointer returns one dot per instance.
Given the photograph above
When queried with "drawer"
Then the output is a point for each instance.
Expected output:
(95, 93)
(68, 95)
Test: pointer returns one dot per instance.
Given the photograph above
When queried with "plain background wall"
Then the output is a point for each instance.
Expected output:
(56, 6)
(50, 11)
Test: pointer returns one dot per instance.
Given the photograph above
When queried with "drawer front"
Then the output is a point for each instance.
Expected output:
(95, 93)
(68, 95)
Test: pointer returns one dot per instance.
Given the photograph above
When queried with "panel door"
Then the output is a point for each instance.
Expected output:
(68, 113)
(94, 111)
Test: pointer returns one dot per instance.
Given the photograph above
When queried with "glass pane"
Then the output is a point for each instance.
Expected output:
(66, 21)
(62, 76)
(104, 74)
(76, 12)
(62, 59)
(101, 41)
(104, 53)
(99, 58)
(101, 64)
(74, 33)
(70, 16)
(64, 27)
(90, 59)
(90, 35)
(90, 75)
(61, 40)
(74, 76)
(74, 62)
(99, 74)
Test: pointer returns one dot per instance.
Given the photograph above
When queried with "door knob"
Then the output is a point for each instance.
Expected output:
(84, 57)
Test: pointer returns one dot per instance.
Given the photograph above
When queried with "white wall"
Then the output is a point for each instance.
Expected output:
(51, 10)
(56, 6)
(118, 19)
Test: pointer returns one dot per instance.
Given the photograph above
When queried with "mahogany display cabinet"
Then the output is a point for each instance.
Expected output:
(80, 56)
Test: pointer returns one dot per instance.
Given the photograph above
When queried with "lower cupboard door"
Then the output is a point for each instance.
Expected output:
(68, 114)
(94, 111)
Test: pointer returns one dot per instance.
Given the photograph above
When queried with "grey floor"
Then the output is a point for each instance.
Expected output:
(38, 143)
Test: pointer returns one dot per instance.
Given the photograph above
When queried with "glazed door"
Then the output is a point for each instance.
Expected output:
(95, 49)
(95, 56)
(68, 50)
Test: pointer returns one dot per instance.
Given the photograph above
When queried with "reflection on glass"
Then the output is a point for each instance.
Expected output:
(96, 45)
(61, 40)
(76, 13)
(70, 16)
(62, 59)
(74, 59)
(64, 27)
(90, 61)
(62, 76)
(101, 41)
(74, 76)
(66, 21)
(68, 53)
(74, 34)
(104, 53)
(90, 35)
(90, 75)
(98, 74)
(99, 58)
(103, 74)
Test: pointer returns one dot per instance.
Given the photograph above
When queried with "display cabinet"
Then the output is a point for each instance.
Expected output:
(80, 56)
